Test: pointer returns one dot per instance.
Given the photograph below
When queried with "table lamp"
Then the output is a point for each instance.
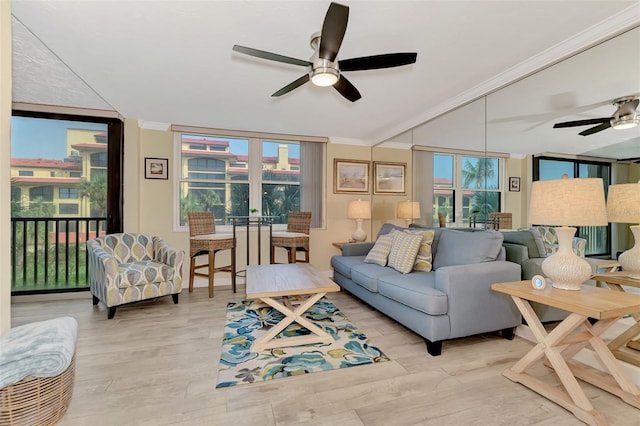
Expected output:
(408, 210)
(359, 210)
(565, 202)
(623, 206)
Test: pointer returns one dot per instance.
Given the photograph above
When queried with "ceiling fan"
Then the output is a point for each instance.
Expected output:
(624, 117)
(323, 66)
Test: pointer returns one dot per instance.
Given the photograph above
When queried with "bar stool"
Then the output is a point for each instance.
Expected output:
(296, 237)
(204, 240)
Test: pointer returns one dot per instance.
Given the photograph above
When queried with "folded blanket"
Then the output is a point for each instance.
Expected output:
(39, 349)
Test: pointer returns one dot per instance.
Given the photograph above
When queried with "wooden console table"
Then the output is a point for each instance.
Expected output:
(629, 338)
(568, 338)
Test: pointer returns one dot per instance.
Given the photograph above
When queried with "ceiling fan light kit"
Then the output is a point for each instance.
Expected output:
(323, 67)
(625, 117)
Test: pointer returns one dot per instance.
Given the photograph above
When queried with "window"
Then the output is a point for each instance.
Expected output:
(45, 193)
(68, 193)
(64, 208)
(75, 174)
(25, 172)
(546, 168)
(232, 175)
(466, 188)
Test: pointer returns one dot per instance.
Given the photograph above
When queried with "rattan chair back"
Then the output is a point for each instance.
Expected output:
(299, 222)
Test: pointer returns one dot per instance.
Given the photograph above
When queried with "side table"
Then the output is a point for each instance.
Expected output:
(629, 338)
(568, 338)
(339, 244)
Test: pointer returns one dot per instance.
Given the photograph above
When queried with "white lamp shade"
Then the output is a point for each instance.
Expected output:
(623, 203)
(568, 202)
(408, 210)
(359, 209)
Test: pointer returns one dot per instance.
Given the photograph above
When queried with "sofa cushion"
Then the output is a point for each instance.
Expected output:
(144, 272)
(387, 228)
(380, 251)
(367, 275)
(343, 264)
(424, 257)
(415, 290)
(403, 252)
(466, 248)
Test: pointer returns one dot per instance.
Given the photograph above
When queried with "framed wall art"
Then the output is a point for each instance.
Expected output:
(514, 184)
(156, 168)
(350, 176)
(389, 178)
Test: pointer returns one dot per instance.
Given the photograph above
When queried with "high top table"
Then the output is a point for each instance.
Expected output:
(568, 338)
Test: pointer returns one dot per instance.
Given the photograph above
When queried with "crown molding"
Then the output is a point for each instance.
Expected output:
(607, 29)
(348, 141)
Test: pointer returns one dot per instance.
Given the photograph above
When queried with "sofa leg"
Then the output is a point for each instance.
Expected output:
(95, 300)
(112, 312)
(508, 333)
(434, 348)
(174, 296)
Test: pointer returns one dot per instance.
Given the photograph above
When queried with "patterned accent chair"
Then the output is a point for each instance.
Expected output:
(125, 268)
(550, 240)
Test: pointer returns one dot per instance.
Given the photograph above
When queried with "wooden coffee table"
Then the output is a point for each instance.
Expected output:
(298, 286)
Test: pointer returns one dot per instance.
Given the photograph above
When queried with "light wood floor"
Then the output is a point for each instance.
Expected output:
(156, 363)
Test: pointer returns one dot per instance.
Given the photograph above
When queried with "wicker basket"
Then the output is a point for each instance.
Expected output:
(37, 401)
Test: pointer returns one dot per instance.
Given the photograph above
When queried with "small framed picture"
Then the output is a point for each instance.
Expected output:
(156, 168)
(389, 178)
(514, 184)
(350, 176)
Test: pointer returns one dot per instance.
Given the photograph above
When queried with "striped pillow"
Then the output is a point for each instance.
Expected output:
(424, 258)
(403, 251)
(380, 251)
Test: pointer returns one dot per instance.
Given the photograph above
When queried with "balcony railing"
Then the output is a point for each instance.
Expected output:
(48, 254)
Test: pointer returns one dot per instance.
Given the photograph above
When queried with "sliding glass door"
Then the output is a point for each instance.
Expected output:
(546, 168)
(65, 189)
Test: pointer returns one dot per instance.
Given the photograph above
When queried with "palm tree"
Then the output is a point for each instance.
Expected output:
(475, 175)
(96, 191)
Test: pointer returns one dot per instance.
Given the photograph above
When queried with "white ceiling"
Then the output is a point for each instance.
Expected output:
(171, 62)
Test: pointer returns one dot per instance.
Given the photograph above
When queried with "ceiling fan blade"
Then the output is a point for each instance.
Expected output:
(347, 89)
(595, 129)
(333, 29)
(582, 122)
(270, 56)
(388, 60)
(293, 85)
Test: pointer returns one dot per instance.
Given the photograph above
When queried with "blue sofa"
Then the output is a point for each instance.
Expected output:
(451, 301)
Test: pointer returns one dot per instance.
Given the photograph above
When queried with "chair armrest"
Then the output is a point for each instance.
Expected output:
(163, 252)
(516, 253)
(473, 307)
(357, 249)
(102, 263)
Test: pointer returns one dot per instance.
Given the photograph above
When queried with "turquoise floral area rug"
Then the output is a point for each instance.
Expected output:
(238, 365)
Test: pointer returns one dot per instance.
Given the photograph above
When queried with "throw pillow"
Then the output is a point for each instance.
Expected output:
(466, 248)
(380, 251)
(403, 252)
(424, 257)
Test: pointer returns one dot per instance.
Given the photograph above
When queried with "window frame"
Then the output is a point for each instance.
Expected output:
(458, 188)
(255, 172)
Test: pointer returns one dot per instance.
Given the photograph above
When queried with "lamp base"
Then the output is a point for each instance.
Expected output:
(566, 270)
(630, 259)
(359, 235)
